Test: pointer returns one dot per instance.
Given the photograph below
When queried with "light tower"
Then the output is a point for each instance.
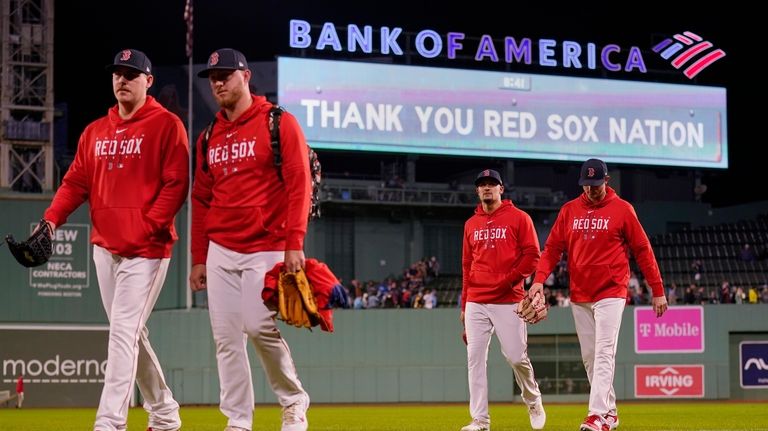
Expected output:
(26, 96)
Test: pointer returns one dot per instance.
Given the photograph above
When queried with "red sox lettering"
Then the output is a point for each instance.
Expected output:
(489, 233)
(123, 147)
(590, 224)
(231, 152)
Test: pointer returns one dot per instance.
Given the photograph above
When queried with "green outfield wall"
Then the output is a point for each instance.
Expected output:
(418, 356)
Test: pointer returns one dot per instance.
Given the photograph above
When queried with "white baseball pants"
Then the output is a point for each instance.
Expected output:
(129, 289)
(597, 326)
(235, 282)
(480, 322)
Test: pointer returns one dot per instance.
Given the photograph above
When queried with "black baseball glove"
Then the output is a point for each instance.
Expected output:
(36, 250)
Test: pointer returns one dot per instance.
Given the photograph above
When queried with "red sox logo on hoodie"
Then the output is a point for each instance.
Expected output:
(590, 224)
(232, 152)
(120, 148)
(489, 235)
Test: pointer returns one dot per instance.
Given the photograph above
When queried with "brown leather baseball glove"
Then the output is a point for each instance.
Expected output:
(296, 303)
(533, 309)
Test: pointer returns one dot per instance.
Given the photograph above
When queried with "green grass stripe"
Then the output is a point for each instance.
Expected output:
(657, 416)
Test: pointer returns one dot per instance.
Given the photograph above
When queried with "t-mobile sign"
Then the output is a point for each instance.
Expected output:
(669, 381)
(679, 330)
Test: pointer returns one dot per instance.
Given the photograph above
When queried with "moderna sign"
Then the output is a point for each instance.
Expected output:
(679, 330)
(669, 381)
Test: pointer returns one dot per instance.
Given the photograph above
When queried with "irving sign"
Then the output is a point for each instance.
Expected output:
(669, 381)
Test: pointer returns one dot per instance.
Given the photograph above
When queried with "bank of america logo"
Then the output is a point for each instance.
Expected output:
(696, 52)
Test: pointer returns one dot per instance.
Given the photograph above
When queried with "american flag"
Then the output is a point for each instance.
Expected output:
(188, 10)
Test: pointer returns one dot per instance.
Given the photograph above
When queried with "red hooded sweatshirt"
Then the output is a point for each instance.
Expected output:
(135, 175)
(500, 250)
(240, 203)
(598, 238)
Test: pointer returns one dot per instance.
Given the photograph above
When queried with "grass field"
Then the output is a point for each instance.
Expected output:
(709, 416)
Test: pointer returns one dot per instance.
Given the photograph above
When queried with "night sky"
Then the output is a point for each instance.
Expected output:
(89, 33)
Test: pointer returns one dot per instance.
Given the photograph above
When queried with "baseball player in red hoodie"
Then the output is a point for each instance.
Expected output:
(598, 230)
(245, 219)
(501, 248)
(132, 168)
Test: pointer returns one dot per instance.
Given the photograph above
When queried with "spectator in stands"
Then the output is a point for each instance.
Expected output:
(598, 229)
(358, 304)
(690, 295)
(748, 253)
(562, 272)
(406, 295)
(696, 268)
(550, 281)
(433, 267)
(500, 249)
(752, 295)
(373, 301)
(634, 283)
(712, 297)
(764, 295)
(672, 293)
(418, 300)
(724, 296)
(430, 299)
(549, 297)
(701, 296)
(739, 297)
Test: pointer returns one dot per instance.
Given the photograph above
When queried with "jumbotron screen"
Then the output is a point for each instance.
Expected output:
(424, 110)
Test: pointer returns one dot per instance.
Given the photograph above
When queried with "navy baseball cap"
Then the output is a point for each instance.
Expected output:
(224, 59)
(593, 173)
(488, 173)
(133, 59)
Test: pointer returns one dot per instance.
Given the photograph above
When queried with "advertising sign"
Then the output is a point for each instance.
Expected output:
(669, 381)
(67, 272)
(355, 106)
(753, 361)
(679, 330)
(62, 366)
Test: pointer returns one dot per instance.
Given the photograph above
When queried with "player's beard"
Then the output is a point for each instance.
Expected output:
(229, 99)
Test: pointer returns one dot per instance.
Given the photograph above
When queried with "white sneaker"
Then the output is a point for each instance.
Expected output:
(231, 428)
(612, 420)
(295, 416)
(537, 415)
(477, 425)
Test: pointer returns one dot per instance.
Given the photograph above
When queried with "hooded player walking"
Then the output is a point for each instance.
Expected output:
(598, 230)
(500, 249)
(132, 167)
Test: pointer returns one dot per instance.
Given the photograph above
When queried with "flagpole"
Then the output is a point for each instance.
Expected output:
(189, 190)
(189, 20)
